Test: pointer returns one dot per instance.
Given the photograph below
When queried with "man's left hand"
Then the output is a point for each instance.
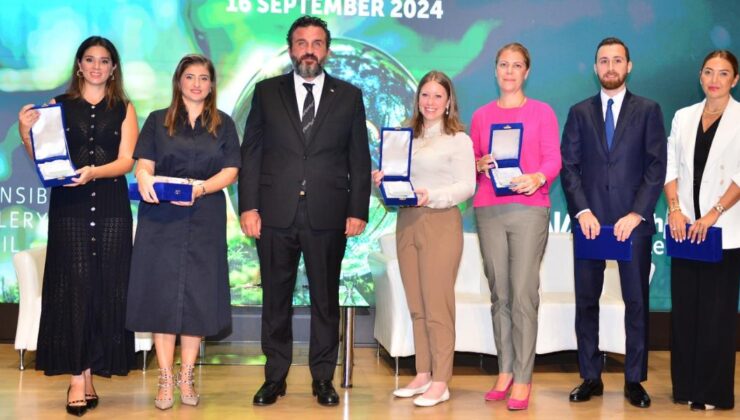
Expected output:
(624, 226)
(354, 227)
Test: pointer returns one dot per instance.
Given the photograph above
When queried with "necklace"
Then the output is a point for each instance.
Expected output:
(521, 103)
(708, 112)
(717, 111)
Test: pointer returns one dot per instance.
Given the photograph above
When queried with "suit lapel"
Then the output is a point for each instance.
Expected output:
(597, 115)
(325, 104)
(623, 120)
(287, 96)
(689, 131)
(726, 132)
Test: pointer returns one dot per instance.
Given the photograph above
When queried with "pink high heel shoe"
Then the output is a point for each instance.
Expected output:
(494, 395)
(515, 405)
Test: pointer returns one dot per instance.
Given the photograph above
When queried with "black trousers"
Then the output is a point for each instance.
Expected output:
(279, 252)
(634, 278)
(705, 299)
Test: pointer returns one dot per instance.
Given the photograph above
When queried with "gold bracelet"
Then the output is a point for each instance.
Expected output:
(673, 208)
(720, 208)
(203, 189)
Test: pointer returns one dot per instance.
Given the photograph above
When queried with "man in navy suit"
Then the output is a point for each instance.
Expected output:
(614, 166)
(304, 188)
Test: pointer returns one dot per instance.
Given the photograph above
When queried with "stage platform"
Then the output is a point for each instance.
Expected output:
(226, 391)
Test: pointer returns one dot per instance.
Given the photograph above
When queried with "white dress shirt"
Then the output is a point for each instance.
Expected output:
(301, 92)
(616, 106)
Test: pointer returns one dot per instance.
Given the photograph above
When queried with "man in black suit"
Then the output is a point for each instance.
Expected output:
(614, 165)
(304, 188)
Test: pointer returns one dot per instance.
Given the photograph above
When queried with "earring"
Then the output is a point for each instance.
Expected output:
(447, 110)
(113, 77)
(79, 73)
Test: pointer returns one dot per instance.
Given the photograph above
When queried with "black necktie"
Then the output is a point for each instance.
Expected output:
(309, 111)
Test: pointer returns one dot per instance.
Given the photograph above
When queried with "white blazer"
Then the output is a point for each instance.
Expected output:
(722, 168)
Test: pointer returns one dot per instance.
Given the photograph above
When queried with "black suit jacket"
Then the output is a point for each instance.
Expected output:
(334, 160)
(627, 178)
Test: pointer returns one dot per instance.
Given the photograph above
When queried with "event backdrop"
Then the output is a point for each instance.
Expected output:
(382, 46)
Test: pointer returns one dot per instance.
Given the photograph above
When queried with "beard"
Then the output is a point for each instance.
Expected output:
(306, 70)
(610, 84)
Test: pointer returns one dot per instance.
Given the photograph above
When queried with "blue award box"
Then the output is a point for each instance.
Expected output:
(395, 162)
(505, 146)
(710, 250)
(167, 189)
(603, 247)
(50, 150)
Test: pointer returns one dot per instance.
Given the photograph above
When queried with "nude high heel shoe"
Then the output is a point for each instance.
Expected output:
(185, 377)
(166, 380)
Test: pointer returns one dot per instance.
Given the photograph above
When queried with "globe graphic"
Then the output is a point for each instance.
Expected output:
(388, 93)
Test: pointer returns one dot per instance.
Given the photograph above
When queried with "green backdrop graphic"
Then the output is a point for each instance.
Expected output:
(384, 47)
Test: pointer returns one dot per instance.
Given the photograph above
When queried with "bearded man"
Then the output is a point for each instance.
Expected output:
(304, 188)
(614, 164)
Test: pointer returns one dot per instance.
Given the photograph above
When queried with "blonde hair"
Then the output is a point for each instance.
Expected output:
(451, 117)
(517, 47)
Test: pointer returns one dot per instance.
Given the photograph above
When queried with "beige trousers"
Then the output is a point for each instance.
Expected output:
(429, 244)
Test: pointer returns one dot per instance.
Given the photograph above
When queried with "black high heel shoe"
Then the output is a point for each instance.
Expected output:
(92, 400)
(76, 410)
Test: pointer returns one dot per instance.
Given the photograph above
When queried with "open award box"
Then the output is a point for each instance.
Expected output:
(50, 150)
(505, 146)
(395, 162)
(709, 250)
(167, 189)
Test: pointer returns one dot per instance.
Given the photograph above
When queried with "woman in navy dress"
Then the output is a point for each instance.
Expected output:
(179, 273)
(89, 242)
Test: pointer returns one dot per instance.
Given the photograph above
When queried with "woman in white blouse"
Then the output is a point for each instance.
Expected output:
(429, 236)
(702, 188)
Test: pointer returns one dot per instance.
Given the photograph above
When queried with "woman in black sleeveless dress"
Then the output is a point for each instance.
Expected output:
(90, 230)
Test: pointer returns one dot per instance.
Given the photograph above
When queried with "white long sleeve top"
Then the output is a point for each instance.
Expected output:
(445, 165)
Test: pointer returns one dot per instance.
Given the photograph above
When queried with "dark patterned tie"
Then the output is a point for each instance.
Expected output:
(609, 124)
(309, 111)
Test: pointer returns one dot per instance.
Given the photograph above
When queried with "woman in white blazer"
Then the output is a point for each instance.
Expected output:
(702, 187)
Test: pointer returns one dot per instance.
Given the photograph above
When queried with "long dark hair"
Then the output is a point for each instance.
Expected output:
(113, 86)
(450, 119)
(209, 118)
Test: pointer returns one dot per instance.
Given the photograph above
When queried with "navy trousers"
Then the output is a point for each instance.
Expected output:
(635, 282)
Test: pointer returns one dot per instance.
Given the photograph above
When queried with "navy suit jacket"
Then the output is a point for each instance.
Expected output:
(627, 178)
(334, 161)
